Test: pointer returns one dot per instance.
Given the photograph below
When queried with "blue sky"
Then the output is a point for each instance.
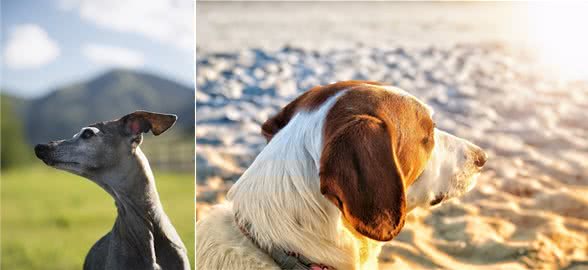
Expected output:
(50, 43)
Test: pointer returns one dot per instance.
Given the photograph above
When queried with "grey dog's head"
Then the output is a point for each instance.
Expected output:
(103, 147)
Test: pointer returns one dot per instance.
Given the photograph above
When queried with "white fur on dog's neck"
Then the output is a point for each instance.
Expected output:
(279, 196)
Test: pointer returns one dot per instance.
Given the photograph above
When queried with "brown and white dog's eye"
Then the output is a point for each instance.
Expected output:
(431, 135)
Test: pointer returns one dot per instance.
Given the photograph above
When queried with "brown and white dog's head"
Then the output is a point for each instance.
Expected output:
(381, 154)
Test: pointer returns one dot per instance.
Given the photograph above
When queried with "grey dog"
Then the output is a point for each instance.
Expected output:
(108, 154)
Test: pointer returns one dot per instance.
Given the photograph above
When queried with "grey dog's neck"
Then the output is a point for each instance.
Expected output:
(141, 225)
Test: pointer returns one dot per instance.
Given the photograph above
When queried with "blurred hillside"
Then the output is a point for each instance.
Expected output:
(14, 148)
(108, 96)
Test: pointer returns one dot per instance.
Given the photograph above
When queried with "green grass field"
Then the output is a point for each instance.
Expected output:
(50, 219)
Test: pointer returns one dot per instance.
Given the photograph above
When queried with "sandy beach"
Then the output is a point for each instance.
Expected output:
(530, 207)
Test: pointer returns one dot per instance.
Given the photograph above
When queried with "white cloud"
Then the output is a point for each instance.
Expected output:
(28, 47)
(113, 56)
(168, 21)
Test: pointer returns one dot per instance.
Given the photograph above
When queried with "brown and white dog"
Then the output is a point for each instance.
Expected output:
(343, 165)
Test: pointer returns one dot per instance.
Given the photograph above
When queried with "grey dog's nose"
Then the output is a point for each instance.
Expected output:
(41, 150)
(481, 158)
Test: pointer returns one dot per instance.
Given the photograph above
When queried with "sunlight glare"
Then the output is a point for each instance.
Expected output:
(559, 32)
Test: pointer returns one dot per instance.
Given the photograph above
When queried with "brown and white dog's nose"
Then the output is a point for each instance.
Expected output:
(477, 155)
(481, 158)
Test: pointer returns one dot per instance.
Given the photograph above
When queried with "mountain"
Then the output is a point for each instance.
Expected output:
(108, 96)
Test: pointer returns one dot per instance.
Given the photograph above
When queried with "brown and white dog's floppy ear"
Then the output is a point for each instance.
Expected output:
(141, 122)
(359, 173)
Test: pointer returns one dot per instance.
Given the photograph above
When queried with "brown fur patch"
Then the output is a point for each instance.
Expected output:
(375, 144)
(310, 100)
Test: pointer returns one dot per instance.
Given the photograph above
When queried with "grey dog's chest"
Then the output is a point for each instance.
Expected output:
(107, 254)
(167, 257)
(96, 258)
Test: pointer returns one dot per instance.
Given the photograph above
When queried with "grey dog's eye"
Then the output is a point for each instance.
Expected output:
(87, 134)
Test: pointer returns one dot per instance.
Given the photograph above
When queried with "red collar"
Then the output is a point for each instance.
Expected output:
(284, 259)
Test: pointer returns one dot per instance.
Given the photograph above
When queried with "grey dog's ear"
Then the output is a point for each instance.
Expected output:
(141, 122)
